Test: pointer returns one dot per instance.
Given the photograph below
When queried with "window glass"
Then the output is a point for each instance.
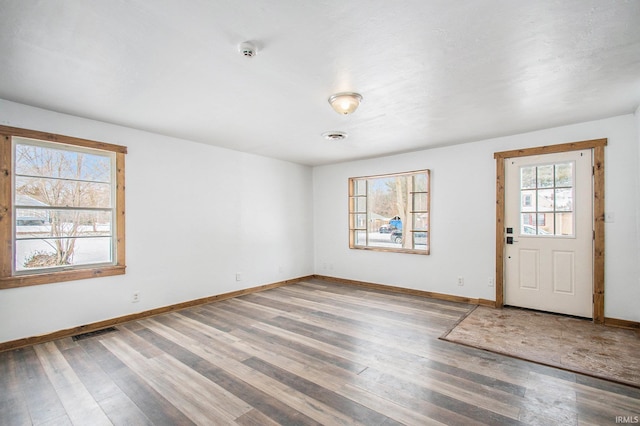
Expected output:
(70, 192)
(390, 212)
(527, 177)
(546, 196)
(66, 203)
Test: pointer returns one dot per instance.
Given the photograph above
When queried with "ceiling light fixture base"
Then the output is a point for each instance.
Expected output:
(345, 102)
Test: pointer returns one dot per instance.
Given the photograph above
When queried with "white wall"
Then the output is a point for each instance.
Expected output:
(463, 216)
(196, 215)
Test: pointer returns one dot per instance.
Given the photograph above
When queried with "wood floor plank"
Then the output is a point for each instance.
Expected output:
(202, 332)
(198, 398)
(481, 390)
(382, 335)
(255, 418)
(13, 407)
(63, 420)
(118, 407)
(95, 380)
(328, 375)
(249, 384)
(347, 320)
(201, 314)
(480, 360)
(392, 409)
(381, 295)
(328, 316)
(573, 400)
(310, 353)
(381, 309)
(418, 406)
(39, 393)
(325, 375)
(265, 299)
(155, 407)
(423, 393)
(74, 396)
(14, 411)
(347, 406)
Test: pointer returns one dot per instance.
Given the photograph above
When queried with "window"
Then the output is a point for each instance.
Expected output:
(546, 194)
(390, 212)
(62, 211)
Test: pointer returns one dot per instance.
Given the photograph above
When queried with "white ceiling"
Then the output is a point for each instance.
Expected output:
(432, 73)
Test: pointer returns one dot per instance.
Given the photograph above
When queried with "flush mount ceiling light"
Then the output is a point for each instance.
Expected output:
(334, 136)
(345, 103)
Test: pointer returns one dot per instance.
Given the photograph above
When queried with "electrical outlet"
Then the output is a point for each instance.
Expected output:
(238, 276)
(490, 281)
(460, 281)
(135, 297)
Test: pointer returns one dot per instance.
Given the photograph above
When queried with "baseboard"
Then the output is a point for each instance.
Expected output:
(413, 292)
(620, 323)
(28, 341)
(487, 303)
(611, 322)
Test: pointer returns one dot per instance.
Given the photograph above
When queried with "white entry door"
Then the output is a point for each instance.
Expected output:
(549, 233)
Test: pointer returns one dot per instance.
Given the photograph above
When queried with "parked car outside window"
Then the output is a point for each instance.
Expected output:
(418, 237)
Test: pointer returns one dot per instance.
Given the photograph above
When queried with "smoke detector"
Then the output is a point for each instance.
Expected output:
(247, 49)
(334, 136)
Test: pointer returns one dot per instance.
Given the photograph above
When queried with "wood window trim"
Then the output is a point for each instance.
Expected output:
(7, 278)
(597, 145)
(351, 195)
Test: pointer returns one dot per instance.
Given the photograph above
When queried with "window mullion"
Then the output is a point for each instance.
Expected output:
(373, 208)
(84, 172)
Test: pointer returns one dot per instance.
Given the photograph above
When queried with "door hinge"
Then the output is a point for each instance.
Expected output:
(593, 170)
(594, 235)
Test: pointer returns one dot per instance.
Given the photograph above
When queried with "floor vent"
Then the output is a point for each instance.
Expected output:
(93, 333)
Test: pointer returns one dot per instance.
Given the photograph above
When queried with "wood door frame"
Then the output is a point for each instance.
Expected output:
(597, 145)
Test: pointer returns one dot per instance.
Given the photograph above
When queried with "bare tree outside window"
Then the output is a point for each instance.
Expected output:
(63, 208)
(64, 205)
(390, 212)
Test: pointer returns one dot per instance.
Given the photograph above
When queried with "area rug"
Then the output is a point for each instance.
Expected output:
(565, 342)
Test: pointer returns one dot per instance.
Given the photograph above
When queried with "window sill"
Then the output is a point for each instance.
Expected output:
(60, 276)
(391, 250)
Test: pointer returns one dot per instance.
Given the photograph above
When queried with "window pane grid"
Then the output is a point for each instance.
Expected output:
(62, 208)
(64, 238)
(63, 205)
(395, 209)
(19, 175)
(358, 212)
(89, 177)
(546, 199)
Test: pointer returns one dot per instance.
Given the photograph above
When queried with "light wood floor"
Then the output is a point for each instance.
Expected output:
(308, 353)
